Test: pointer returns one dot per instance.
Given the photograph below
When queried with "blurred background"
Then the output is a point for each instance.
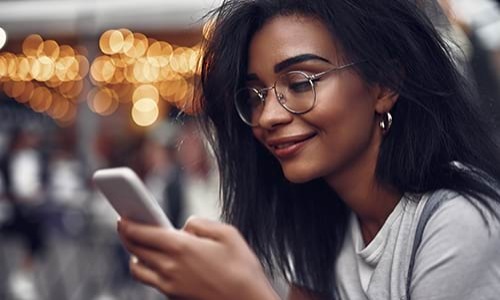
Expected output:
(87, 85)
(93, 84)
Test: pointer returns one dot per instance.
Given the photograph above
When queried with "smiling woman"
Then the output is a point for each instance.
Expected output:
(338, 126)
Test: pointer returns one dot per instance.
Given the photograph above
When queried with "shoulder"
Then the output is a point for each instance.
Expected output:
(459, 226)
(458, 213)
(461, 237)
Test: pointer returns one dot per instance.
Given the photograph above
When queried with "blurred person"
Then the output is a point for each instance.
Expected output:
(161, 169)
(198, 178)
(24, 173)
(66, 186)
(479, 53)
(352, 161)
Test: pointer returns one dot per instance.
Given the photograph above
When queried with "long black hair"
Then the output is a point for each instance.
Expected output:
(300, 227)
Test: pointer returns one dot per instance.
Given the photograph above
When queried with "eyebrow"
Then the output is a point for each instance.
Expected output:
(297, 59)
(290, 62)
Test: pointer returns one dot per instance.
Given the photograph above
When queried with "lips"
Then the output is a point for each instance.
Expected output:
(286, 147)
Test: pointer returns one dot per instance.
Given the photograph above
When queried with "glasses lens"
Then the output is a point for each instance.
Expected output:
(295, 91)
(249, 105)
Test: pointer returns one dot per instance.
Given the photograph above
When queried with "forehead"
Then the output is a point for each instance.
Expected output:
(283, 37)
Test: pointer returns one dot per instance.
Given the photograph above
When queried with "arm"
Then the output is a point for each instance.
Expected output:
(205, 260)
(459, 257)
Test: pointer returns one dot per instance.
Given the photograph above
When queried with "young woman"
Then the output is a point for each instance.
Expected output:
(334, 122)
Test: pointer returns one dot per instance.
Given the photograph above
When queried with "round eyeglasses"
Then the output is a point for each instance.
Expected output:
(295, 91)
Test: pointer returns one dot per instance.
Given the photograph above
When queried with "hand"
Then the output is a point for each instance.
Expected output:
(206, 260)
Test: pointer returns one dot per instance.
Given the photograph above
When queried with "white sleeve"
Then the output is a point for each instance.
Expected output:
(459, 257)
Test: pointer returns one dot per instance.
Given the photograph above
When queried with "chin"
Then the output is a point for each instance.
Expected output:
(299, 175)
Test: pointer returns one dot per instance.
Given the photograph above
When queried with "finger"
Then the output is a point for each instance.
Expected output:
(153, 237)
(157, 261)
(144, 274)
(208, 228)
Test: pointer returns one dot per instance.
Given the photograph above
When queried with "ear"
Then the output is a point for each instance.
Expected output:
(385, 98)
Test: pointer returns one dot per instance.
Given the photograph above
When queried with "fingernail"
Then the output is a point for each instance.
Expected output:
(134, 259)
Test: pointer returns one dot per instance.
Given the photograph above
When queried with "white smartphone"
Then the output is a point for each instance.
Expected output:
(129, 196)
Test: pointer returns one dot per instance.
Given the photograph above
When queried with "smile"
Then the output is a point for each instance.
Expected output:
(287, 147)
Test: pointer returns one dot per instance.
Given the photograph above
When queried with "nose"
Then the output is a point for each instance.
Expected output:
(273, 114)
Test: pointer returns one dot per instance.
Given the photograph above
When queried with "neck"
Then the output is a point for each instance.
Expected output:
(371, 200)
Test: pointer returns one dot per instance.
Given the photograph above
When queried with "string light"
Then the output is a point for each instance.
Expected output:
(49, 77)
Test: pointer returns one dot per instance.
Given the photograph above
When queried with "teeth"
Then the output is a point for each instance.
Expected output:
(281, 146)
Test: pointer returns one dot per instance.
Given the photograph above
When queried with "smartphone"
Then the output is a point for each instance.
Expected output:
(130, 198)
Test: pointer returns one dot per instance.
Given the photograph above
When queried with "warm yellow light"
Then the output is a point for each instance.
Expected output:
(27, 93)
(23, 69)
(47, 68)
(104, 44)
(190, 61)
(53, 82)
(128, 73)
(71, 89)
(166, 74)
(188, 104)
(102, 101)
(172, 90)
(31, 44)
(158, 54)
(48, 48)
(83, 66)
(65, 51)
(208, 28)
(35, 67)
(102, 69)
(3, 67)
(118, 77)
(145, 91)
(7, 88)
(59, 107)
(11, 61)
(116, 41)
(180, 61)
(145, 72)
(181, 88)
(41, 99)
(139, 47)
(18, 88)
(128, 40)
(194, 61)
(123, 91)
(67, 68)
(145, 112)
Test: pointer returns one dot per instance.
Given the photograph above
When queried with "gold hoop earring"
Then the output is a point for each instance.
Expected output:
(386, 122)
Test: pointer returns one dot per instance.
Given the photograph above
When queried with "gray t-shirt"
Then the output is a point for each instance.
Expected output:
(458, 258)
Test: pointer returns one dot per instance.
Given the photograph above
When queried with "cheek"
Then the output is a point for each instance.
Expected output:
(346, 116)
(258, 133)
(341, 105)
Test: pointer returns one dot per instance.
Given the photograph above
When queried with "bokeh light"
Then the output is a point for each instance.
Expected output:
(133, 69)
(145, 112)
(3, 37)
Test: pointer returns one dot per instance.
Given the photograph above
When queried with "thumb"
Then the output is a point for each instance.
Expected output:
(206, 228)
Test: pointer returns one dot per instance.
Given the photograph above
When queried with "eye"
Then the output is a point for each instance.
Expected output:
(254, 99)
(297, 83)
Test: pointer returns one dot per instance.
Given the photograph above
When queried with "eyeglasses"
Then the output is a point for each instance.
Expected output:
(295, 91)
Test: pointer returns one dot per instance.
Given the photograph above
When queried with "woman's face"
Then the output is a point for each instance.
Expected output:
(340, 134)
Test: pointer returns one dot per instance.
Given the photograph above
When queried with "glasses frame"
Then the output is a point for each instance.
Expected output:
(312, 78)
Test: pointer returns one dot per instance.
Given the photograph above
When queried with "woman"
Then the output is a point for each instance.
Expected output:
(334, 122)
